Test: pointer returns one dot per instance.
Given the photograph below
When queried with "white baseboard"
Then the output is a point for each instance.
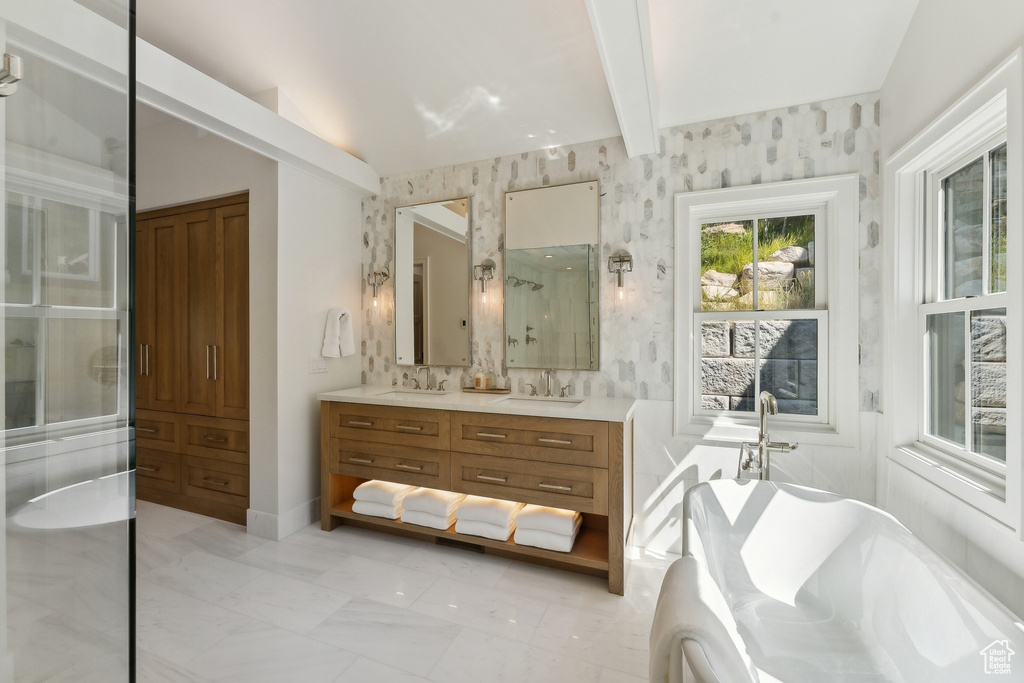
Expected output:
(276, 527)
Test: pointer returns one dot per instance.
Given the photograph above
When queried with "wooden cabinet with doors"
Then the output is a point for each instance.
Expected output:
(192, 371)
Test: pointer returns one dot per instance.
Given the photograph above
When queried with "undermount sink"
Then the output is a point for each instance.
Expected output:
(532, 400)
(412, 393)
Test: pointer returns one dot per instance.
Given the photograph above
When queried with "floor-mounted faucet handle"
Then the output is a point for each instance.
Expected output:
(783, 447)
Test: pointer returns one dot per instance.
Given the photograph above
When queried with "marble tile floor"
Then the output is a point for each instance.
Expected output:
(216, 604)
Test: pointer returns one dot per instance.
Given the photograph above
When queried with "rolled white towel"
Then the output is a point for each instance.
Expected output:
(420, 518)
(385, 492)
(366, 507)
(555, 520)
(490, 510)
(434, 502)
(493, 531)
(545, 539)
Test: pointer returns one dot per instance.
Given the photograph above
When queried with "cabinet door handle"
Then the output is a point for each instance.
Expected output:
(403, 466)
(213, 439)
(214, 363)
(492, 436)
(215, 482)
(409, 428)
(207, 361)
(563, 442)
(360, 424)
(147, 360)
(554, 487)
(147, 469)
(362, 461)
(145, 429)
(484, 477)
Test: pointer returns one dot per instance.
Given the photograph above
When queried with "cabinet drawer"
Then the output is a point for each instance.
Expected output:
(402, 464)
(158, 470)
(417, 427)
(563, 486)
(214, 480)
(545, 439)
(218, 438)
(158, 430)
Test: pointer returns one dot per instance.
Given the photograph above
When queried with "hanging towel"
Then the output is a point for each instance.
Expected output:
(490, 510)
(365, 507)
(420, 518)
(544, 539)
(434, 502)
(555, 520)
(493, 531)
(383, 492)
(338, 334)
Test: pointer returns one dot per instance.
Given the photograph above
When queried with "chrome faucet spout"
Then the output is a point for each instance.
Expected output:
(767, 405)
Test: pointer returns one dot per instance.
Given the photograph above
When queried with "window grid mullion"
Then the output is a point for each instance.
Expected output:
(986, 223)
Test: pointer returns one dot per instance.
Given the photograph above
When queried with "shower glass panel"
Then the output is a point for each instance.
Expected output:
(68, 547)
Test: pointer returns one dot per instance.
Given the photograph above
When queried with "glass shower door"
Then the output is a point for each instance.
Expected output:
(68, 547)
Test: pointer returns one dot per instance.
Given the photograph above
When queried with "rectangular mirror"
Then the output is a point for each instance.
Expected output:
(433, 284)
(551, 277)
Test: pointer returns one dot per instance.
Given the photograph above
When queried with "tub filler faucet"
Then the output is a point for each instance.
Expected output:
(756, 457)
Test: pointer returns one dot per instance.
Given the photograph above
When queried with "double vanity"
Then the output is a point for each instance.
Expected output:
(573, 453)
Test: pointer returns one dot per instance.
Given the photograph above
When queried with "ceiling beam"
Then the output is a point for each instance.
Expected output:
(622, 29)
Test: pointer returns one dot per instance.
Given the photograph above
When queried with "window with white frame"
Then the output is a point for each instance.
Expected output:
(956, 357)
(63, 282)
(766, 301)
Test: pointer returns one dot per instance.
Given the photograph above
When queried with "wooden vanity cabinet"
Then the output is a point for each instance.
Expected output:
(579, 465)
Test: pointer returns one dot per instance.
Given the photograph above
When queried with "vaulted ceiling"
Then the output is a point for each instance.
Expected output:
(409, 85)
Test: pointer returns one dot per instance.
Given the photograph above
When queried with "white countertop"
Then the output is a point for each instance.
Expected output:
(576, 408)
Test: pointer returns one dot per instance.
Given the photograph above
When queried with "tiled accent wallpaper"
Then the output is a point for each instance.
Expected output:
(810, 140)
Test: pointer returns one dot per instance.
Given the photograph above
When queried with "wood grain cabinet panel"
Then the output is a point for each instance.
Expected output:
(544, 439)
(158, 430)
(159, 470)
(192, 312)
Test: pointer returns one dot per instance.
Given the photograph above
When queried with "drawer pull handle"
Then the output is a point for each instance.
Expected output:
(360, 424)
(563, 442)
(144, 429)
(492, 436)
(214, 439)
(207, 480)
(409, 428)
(500, 480)
(554, 487)
(363, 461)
(147, 469)
(403, 466)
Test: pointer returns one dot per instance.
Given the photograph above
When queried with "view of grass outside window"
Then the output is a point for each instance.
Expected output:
(966, 363)
(767, 269)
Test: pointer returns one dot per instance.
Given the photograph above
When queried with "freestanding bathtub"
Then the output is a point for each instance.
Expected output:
(786, 583)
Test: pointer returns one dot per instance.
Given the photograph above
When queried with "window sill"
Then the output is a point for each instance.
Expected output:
(730, 430)
(979, 489)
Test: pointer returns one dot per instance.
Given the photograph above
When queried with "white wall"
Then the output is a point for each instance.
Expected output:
(318, 267)
(949, 47)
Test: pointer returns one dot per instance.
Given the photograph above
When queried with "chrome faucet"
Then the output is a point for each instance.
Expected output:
(416, 377)
(761, 465)
(547, 381)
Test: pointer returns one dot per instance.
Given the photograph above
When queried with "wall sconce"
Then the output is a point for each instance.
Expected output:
(483, 273)
(375, 280)
(620, 264)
